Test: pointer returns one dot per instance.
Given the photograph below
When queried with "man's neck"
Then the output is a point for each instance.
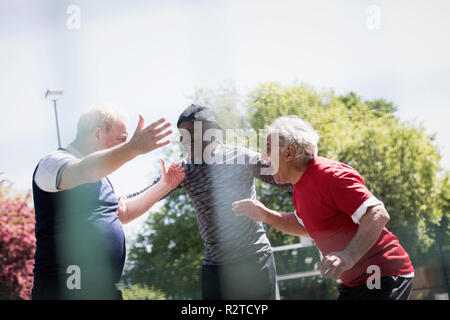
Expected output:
(81, 147)
(297, 171)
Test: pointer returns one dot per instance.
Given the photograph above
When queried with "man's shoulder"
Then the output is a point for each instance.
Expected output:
(331, 169)
(49, 169)
(250, 156)
(53, 161)
(57, 155)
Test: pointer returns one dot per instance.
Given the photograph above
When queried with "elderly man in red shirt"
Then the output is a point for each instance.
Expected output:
(335, 208)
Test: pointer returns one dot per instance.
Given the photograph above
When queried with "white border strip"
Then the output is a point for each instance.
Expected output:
(409, 275)
(298, 219)
(357, 215)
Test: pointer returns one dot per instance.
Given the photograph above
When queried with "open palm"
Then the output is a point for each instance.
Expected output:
(173, 176)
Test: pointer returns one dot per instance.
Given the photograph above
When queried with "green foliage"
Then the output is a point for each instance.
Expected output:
(141, 292)
(444, 224)
(167, 254)
(381, 107)
(400, 167)
(225, 103)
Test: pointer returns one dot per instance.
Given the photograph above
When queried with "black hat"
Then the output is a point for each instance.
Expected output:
(197, 113)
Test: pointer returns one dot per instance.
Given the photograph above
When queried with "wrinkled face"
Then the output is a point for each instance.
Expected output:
(191, 136)
(116, 135)
(278, 159)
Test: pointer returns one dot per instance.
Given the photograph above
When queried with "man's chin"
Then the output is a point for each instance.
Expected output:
(276, 178)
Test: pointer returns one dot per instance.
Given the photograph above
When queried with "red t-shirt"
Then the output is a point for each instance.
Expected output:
(330, 198)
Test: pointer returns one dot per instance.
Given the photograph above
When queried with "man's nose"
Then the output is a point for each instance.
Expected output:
(266, 159)
(264, 156)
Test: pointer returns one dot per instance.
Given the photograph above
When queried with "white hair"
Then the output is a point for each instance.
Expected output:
(100, 115)
(292, 130)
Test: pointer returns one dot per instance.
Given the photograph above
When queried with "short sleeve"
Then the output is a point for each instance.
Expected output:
(350, 195)
(299, 220)
(50, 168)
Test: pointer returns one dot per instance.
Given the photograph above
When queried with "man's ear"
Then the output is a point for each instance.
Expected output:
(96, 133)
(290, 152)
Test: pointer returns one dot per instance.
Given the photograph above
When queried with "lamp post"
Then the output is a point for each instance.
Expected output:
(53, 95)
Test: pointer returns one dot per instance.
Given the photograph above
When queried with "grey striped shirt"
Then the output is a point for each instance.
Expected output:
(212, 189)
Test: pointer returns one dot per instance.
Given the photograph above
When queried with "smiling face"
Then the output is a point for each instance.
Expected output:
(279, 159)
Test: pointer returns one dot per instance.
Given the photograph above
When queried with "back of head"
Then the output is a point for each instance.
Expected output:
(197, 112)
(100, 115)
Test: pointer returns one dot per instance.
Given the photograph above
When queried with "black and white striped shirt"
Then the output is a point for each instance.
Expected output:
(212, 189)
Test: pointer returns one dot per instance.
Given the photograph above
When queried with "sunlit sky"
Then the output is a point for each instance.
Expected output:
(149, 56)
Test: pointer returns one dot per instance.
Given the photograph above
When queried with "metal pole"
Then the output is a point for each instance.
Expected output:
(57, 124)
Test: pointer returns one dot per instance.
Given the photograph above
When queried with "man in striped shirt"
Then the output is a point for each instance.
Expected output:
(238, 261)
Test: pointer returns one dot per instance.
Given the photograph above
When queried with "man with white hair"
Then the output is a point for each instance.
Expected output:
(335, 208)
(80, 245)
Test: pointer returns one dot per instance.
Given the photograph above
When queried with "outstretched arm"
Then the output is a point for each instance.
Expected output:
(99, 164)
(132, 208)
(370, 227)
(255, 210)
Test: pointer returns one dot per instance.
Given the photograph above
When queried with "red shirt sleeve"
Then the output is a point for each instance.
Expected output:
(348, 191)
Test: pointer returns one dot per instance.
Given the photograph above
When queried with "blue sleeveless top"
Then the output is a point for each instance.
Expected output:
(79, 227)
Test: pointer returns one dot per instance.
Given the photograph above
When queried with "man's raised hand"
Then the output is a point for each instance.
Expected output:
(173, 176)
(149, 138)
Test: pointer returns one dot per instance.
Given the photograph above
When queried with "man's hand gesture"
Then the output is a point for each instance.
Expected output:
(149, 138)
(173, 176)
(335, 263)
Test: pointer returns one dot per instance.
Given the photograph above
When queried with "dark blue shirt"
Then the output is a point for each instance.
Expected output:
(79, 227)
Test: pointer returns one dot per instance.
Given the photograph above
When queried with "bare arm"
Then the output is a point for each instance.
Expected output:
(132, 208)
(285, 222)
(255, 210)
(370, 227)
(99, 164)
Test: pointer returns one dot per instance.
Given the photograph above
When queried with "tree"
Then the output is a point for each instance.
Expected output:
(168, 252)
(226, 103)
(399, 163)
(17, 244)
(141, 292)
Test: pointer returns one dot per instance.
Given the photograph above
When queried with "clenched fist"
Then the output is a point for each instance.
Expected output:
(253, 209)
(335, 263)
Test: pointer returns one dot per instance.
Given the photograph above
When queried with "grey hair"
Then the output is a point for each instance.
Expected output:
(100, 115)
(294, 131)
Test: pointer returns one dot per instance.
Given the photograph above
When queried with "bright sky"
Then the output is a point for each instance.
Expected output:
(149, 56)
